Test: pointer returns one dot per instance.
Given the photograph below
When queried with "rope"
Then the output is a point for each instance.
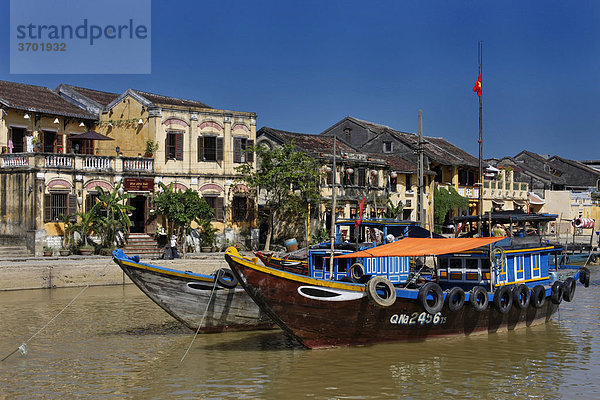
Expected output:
(23, 347)
(203, 316)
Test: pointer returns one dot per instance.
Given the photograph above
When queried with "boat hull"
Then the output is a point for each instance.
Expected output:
(312, 312)
(195, 300)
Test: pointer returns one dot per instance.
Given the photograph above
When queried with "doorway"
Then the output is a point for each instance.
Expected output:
(18, 139)
(138, 215)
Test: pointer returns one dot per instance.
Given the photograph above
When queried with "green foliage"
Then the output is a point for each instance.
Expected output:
(208, 235)
(151, 147)
(394, 211)
(181, 209)
(86, 222)
(320, 237)
(444, 201)
(287, 178)
(111, 214)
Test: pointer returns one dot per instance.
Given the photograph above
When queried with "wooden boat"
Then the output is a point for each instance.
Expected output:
(207, 303)
(497, 288)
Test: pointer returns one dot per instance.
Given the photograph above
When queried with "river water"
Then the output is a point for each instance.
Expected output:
(114, 343)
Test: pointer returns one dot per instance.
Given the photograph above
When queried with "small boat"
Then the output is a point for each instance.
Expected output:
(207, 303)
(479, 286)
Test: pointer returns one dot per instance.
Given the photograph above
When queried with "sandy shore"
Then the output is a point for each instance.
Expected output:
(72, 271)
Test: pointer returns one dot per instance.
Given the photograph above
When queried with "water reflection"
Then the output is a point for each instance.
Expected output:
(114, 342)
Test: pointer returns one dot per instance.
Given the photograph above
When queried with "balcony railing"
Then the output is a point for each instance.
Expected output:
(76, 162)
(138, 164)
(98, 163)
(14, 160)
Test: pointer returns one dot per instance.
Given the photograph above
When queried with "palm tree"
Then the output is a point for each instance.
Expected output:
(85, 225)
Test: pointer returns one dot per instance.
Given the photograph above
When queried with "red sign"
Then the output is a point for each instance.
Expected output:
(139, 185)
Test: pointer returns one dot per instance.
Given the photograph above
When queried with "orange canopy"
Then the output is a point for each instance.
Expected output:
(414, 247)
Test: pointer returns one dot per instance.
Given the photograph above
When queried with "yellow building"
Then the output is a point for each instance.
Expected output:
(142, 139)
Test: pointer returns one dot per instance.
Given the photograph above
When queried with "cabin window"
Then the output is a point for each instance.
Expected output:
(174, 145)
(471, 263)
(318, 263)
(242, 150)
(455, 263)
(343, 264)
(210, 148)
(443, 262)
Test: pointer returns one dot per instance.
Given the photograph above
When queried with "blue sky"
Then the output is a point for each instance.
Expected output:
(304, 65)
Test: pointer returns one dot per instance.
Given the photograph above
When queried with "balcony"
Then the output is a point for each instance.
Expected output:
(76, 162)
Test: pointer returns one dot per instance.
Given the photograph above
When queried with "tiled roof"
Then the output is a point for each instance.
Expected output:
(171, 101)
(38, 99)
(100, 97)
(312, 144)
(437, 149)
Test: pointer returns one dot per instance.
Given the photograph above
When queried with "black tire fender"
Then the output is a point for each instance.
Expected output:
(377, 286)
(478, 298)
(226, 278)
(556, 294)
(594, 259)
(569, 289)
(584, 276)
(503, 299)
(521, 296)
(433, 289)
(538, 296)
(455, 298)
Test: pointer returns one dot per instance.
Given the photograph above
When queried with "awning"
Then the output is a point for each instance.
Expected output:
(416, 247)
(520, 203)
(498, 202)
(89, 135)
(535, 199)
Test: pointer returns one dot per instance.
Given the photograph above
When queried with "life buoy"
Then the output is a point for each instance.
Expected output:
(435, 291)
(521, 296)
(478, 298)
(569, 289)
(381, 291)
(503, 299)
(556, 294)
(583, 223)
(455, 298)
(584, 276)
(356, 271)
(538, 296)
(226, 278)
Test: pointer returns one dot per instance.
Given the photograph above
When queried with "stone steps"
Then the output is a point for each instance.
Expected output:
(142, 245)
(13, 251)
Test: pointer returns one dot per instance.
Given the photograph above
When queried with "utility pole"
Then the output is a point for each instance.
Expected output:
(421, 166)
(480, 193)
(333, 207)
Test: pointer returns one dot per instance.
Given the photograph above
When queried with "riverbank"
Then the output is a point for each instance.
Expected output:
(73, 271)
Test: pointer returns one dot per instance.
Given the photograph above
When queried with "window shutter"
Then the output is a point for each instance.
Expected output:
(200, 148)
(72, 204)
(88, 203)
(237, 150)
(179, 146)
(167, 146)
(219, 149)
(47, 207)
(219, 209)
(250, 151)
(249, 209)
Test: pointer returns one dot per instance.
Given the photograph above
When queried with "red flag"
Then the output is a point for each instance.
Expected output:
(477, 87)
(361, 207)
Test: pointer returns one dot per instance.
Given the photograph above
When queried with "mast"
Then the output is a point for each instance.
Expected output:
(421, 186)
(333, 206)
(480, 197)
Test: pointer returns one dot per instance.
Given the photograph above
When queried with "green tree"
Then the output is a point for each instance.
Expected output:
(444, 201)
(180, 209)
(287, 179)
(85, 224)
(394, 211)
(111, 213)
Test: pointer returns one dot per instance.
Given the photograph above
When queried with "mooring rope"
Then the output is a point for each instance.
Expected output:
(23, 347)
(203, 316)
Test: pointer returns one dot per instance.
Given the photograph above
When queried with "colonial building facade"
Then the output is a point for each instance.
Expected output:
(146, 139)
